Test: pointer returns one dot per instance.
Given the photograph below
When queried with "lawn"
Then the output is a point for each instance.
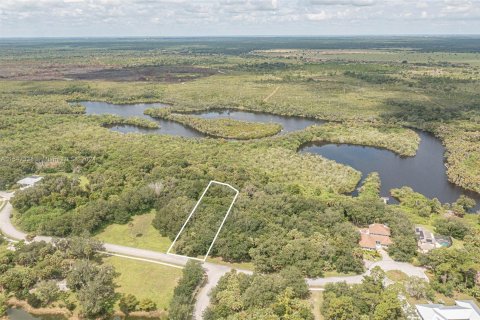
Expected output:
(138, 233)
(146, 279)
(316, 299)
(235, 265)
(396, 275)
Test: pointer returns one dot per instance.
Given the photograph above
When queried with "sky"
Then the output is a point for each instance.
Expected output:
(103, 18)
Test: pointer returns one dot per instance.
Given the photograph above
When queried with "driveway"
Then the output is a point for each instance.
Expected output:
(387, 264)
(5, 195)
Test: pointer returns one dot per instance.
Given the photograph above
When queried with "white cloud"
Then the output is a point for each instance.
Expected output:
(190, 17)
(320, 16)
(360, 3)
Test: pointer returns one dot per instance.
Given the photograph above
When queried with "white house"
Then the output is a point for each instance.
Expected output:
(463, 310)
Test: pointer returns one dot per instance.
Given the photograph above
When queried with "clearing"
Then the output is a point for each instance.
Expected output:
(138, 233)
(146, 280)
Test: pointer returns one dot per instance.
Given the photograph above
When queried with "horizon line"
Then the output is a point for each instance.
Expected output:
(248, 36)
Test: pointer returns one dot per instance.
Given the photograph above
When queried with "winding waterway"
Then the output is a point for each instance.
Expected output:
(424, 173)
(289, 123)
(136, 110)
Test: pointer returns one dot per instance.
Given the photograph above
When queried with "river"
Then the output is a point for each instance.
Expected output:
(289, 123)
(424, 173)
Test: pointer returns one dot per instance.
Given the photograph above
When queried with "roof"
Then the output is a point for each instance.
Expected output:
(370, 240)
(423, 234)
(367, 242)
(463, 310)
(29, 181)
(378, 228)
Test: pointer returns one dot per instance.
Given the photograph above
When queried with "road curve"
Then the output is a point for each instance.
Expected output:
(214, 271)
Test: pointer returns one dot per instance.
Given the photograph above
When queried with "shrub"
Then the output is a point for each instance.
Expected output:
(182, 303)
(453, 227)
(128, 303)
(3, 304)
(147, 305)
(34, 301)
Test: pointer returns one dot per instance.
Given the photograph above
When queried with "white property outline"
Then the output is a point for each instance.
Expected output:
(191, 214)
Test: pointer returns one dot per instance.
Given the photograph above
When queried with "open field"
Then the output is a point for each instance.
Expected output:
(146, 280)
(138, 233)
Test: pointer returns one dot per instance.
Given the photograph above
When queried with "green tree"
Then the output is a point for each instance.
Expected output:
(18, 279)
(47, 292)
(96, 295)
(183, 300)
(128, 303)
(466, 203)
(293, 278)
(403, 248)
(3, 304)
(79, 247)
(454, 227)
(417, 287)
(291, 308)
(341, 308)
(81, 272)
(147, 305)
(389, 307)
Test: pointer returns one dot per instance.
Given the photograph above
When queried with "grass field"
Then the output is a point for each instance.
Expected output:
(316, 299)
(146, 280)
(138, 233)
(396, 275)
(239, 265)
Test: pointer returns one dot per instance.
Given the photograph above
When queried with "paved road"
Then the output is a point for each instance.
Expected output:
(6, 195)
(214, 271)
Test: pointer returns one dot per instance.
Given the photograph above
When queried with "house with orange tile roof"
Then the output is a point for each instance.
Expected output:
(374, 237)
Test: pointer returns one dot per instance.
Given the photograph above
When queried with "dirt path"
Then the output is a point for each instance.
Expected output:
(271, 94)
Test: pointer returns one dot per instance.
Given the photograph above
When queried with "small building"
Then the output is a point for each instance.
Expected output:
(29, 181)
(463, 310)
(375, 237)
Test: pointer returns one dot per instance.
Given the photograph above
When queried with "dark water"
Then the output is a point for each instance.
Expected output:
(136, 110)
(288, 123)
(425, 172)
(20, 314)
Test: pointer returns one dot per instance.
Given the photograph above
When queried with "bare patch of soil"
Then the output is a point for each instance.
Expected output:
(51, 71)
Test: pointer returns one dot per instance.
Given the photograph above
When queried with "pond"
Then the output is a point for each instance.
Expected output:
(425, 172)
(20, 314)
(289, 123)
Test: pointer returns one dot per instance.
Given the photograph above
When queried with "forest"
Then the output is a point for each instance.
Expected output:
(295, 213)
